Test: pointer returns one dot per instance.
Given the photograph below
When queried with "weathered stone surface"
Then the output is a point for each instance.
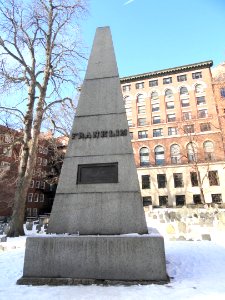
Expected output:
(170, 229)
(182, 227)
(102, 208)
(100, 257)
(29, 225)
(206, 237)
(172, 216)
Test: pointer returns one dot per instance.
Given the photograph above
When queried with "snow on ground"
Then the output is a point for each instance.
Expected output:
(196, 268)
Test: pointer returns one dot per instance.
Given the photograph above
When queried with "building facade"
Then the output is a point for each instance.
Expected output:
(177, 135)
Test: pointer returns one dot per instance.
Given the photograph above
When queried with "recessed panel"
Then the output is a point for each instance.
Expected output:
(97, 173)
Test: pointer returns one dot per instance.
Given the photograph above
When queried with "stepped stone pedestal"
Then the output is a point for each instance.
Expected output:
(99, 232)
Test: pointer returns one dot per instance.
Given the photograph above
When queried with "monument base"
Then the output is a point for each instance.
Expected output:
(109, 260)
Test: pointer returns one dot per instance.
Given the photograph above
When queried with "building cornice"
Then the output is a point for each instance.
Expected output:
(170, 71)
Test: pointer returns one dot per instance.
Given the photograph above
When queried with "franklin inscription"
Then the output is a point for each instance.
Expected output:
(99, 134)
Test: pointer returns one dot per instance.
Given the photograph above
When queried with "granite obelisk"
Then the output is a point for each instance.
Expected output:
(98, 190)
(98, 200)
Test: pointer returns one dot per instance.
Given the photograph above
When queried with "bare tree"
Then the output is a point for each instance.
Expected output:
(40, 55)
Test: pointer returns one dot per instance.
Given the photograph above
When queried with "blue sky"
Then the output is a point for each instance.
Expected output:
(152, 35)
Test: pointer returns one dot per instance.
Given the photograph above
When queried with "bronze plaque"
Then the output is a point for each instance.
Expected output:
(97, 173)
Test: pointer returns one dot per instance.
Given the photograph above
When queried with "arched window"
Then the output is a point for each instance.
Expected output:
(154, 95)
(175, 154)
(199, 88)
(192, 152)
(144, 156)
(183, 90)
(208, 147)
(159, 155)
(127, 100)
(140, 99)
(168, 93)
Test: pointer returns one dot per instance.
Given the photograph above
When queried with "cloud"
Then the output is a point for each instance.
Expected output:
(128, 2)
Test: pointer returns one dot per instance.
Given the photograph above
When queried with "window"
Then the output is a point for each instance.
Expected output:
(189, 129)
(130, 123)
(168, 93)
(147, 201)
(144, 156)
(140, 99)
(156, 120)
(154, 96)
(141, 109)
(205, 127)
(45, 150)
(222, 92)
(44, 162)
(163, 200)
(32, 184)
(167, 80)
(42, 185)
(37, 185)
(172, 131)
(213, 178)
(203, 113)
(199, 88)
(194, 178)
(127, 100)
(200, 100)
(185, 102)
(157, 132)
(216, 198)
(208, 147)
(159, 155)
(197, 75)
(28, 212)
(197, 199)
(42, 197)
(153, 83)
(39, 160)
(7, 151)
(171, 118)
(30, 197)
(175, 154)
(36, 196)
(139, 85)
(183, 90)
(142, 134)
(181, 78)
(35, 212)
(178, 180)
(170, 104)
(142, 122)
(186, 115)
(126, 88)
(191, 152)
(128, 111)
(180, 200)
(145, 179)
(155, 107)
(161, 179)
(131, 135)
(8, 138)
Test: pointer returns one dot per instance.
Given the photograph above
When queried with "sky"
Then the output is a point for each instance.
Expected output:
(151, 35)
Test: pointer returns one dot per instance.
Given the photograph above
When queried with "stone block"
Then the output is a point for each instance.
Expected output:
(29, 225)
(182, 228)
(206, 237)
(126, 258)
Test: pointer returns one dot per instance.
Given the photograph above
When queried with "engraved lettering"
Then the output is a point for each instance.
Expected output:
(104, 133)
(96, 134)
(74, 135)
(81, 135)
(88, 135)
(117, 132)
(123, 132)
(111, 133)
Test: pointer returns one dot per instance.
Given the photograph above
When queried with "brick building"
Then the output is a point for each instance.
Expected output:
(41, 193)
(177, 135)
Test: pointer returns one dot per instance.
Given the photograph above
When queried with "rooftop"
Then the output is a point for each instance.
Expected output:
(184, 68)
